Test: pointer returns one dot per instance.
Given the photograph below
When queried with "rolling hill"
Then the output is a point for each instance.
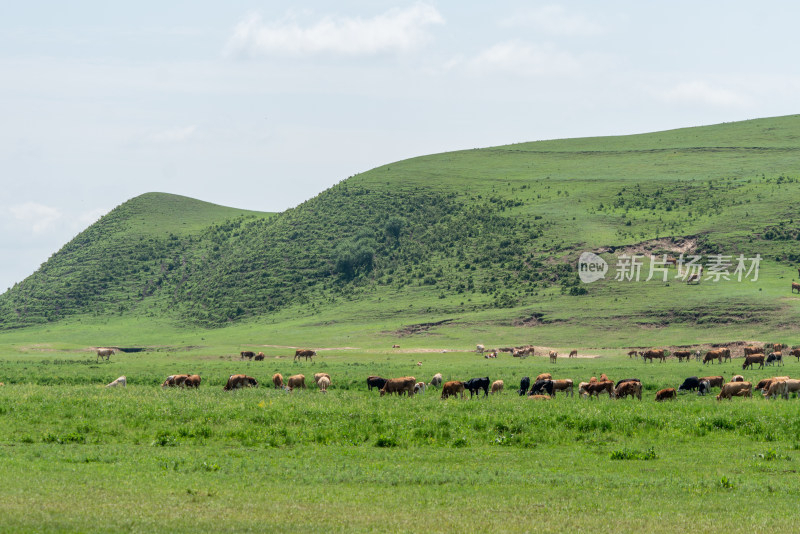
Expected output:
(484, 239)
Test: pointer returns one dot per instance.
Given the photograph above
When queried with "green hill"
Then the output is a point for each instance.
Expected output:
(487, 237)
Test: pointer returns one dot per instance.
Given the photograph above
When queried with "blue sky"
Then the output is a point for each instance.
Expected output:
(261, 105)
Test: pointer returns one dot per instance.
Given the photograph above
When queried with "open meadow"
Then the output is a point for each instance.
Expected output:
(76, 456)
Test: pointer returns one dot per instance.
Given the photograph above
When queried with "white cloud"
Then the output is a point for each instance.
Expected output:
(397, 30)
(38, 218)
(556, 20)
(703, 93)
(526, 59)
(174, 135)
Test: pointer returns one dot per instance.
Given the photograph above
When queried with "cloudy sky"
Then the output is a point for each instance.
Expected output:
(261, 105)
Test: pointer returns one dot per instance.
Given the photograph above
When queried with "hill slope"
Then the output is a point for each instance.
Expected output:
(469, 232)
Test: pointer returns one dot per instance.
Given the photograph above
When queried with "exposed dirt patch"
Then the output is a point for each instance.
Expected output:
(420, 328)
(676, 245)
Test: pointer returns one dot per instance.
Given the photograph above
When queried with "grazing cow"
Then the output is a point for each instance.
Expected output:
(317, 376)
(104, 353)
(247, 354)
(497, 386)
(296, 381)
(773, 358)
(395, 346)
(453, 388)
(192, 381)
(436, 381)
(681, 354)
(259, 357)
(240, 381)
(524, 384)
(375, 382)
(419, 387)
(664, 394)
(715, 381)
(419, 364)
(553, 356)
(777, 387)
(633, 354)
(604, 378)
(737, 378)
(565, 385)
(323, 384)
(474, 385)
(544, 376)
(598, 387)
(726, 353)
(697, 355)
(735, 389)
(690, 384)
(480, 348)
(305, 353)
(792, 386)
(752, 350)
(174, 381)
(539, 397)
(795, 287)
(541, 386)
(704, 388)
(573, 353)
(506, 349)
(693, 278)
(765, 383)
(753, 359)
(399, 385)
(795, 353)
(712, 355)
(277, 380)
(653, 354)
(634, 389)
(582, 389)
(121, 381)
(626, 380)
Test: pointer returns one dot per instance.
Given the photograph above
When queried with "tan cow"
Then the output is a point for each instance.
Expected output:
(795, 287)
(104, 353)
(277, 380)
(480, 349)
(667, 393)
(735, 389)
(497, 386)
(296, 381)
(323, 384)
(436, 381)
(792, 386)
(573, 353)
(453, 388)
(240, 381)
(399, 385)
(633, 389)
(317, 377)
(539, 397)
(564, 385)
(553, 356)
(192, 381)
(174, 381)
(776, 387)
(752, 350)
(544, 376)
(121, 381)
(716, 354)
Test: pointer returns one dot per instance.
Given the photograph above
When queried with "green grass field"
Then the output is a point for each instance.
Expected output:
(75, 456)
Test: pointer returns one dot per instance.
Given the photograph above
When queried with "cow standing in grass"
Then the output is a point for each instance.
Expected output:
(104, 353)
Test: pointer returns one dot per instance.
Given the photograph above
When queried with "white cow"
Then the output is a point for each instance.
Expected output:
(121, 381)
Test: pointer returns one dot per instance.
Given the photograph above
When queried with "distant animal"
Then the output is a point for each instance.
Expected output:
(664, 394)
(681, 354)
(541, 386)
(452, 388)
(323, 384)
(474, 385)
(690, 384)
(395, 346)
(735, 389)
(524, 384)
(259, 357)
(792, 386)
(752, 350)
(573, 353)
(399, 385)
(795, 353)
(594, 389)
(277, 380)
(419, 364)
(712, 355)
(582, 389)
(777, 387)
(296, 381)
(693, 278)
(192, 381)
(653, 354)
(765, 383)
(626, 380)
(753, 359)
(375, 382)
(247, 354)
(419, 387)
(737, 378)
(436, 381)
(539, 397)
(671, 260)
(774, 358)
(564, 385)
(304, 353)
(121, 381)
(104, 353)
(544, 376)
(553, 356)
(497, 386)
(795, 287)
(480, 348)
(726, 353)
(633, 354)
(318, 376)
(704, 388)
(633, 389)
(714, 381)
(240, 381)
(174, 381)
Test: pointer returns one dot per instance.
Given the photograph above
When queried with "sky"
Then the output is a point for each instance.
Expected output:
(261, 105)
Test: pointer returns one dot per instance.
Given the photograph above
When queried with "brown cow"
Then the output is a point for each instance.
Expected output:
(564, 385)
(277, 380)
(399, 386)
(497, 386)
(104, 353)
(596, 388)
(726, 353)
(573, 353)
(553, 356)
(604, 378)
(653, 354)
(453, 388)
(712, 355)
(395, 346)
(737, 378)
(634, 389)
(633, 354)
(753, 359)
(777, 387)
(259, 357)
(752, 350)
(735, 389)
(795, 287)
(240, 381)
(714, 381)
(792, 386)
(681, 354)
(192, 381)
(247, 354)
(544, 376)
(296, 381)
(664, 394)
(174, 381)
(304, 353)
(317, 377)
(795, 353)
(582, 389)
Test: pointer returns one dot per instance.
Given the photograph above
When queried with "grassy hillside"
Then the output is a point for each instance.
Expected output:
(486, 239)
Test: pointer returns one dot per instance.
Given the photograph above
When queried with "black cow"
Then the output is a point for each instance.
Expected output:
(474, 385)
(626, 380)
(542, 386)
(524, 384)
(704, 388)
(375, 382)
(690, 384)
